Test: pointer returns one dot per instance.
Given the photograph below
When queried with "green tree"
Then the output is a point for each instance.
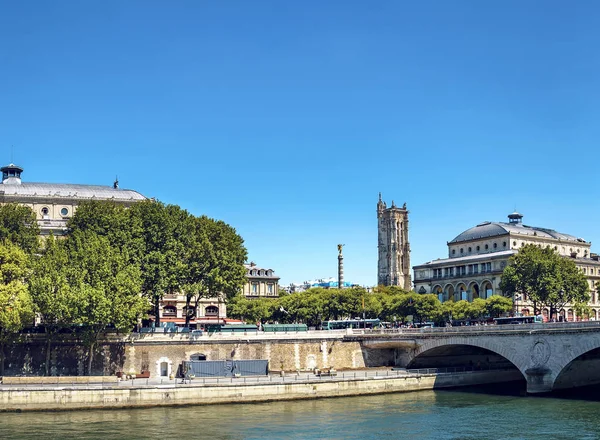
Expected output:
(18, 225)
(160, 262)
(55, 300)
(252, 310)
(478, 308)
(546, 278)
(461, 310)
(497, 305)
(106, 286)
(113, 221)
(16, 306)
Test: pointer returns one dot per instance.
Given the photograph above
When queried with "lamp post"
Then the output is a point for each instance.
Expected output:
(517, 298)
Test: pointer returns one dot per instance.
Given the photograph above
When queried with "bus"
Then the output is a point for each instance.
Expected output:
(350, 323)
(518, 320)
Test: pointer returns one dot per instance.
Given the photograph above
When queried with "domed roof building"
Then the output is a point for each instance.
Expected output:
(55, 203)
(477, 257)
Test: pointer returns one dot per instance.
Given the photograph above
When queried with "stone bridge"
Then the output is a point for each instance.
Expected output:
(549, 356)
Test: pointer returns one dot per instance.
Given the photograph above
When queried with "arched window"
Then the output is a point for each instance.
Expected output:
(212, 311)
(169, 311)
(45, 213)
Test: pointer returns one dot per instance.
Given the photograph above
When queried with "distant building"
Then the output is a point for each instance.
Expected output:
(477, 257)
(260, 282)
(393, 266)
(325, 283)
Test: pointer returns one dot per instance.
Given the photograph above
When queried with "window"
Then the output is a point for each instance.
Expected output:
(495, 245)
(486, 247)
(489, 267)
(169, 311)
(453, 251)
(45, 212)
(64, 212)
(270, 289)
(514, 243)
(504, 244)
(255, 288)
(469, 249)
(212, 311)
(478, 247)
(462, 250)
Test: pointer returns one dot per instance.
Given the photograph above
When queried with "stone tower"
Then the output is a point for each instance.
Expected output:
(394, 248)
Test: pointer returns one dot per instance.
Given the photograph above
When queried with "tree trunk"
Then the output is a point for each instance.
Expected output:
(48, 347)
(157, 311)
(188, 299)
(90, 358)
(2, 358)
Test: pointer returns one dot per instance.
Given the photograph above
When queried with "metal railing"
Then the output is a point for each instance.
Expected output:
(493, 328)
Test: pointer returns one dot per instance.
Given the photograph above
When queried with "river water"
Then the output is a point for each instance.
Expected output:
(419, 415)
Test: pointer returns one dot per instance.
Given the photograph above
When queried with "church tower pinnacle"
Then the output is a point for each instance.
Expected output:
(393, 246)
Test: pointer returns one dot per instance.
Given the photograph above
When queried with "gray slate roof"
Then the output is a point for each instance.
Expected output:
(494, 229)
(58, 190)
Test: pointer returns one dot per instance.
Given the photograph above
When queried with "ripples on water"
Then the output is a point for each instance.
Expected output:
(414, 416)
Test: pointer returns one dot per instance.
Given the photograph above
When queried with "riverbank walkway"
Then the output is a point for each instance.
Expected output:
(272, 378)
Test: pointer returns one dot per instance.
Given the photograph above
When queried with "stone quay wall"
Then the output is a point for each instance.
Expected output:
(65, 398)
(133, 354)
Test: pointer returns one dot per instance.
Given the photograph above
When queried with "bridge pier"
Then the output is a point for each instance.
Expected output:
(539, 380)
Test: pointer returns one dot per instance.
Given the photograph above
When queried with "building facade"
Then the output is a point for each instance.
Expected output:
(393, 267)
(260, 282)
(55, 203)
(477, 257)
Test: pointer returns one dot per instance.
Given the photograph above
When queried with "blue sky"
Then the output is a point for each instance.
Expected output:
(286, 119)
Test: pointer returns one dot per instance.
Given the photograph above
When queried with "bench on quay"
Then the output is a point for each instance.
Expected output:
(326, 372)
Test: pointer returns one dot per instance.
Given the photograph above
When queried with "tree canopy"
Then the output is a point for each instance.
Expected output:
(16, 306)
(546, 278)
(18, 225)
(386, 303)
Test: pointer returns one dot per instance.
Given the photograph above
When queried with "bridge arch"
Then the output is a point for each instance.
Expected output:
(488, 344)
(578, 366)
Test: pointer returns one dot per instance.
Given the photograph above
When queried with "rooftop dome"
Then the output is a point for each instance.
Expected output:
(515, 226)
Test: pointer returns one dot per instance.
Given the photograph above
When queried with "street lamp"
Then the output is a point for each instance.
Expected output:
(517, 298)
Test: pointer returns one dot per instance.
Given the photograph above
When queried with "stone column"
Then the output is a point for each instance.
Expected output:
(340, 267)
